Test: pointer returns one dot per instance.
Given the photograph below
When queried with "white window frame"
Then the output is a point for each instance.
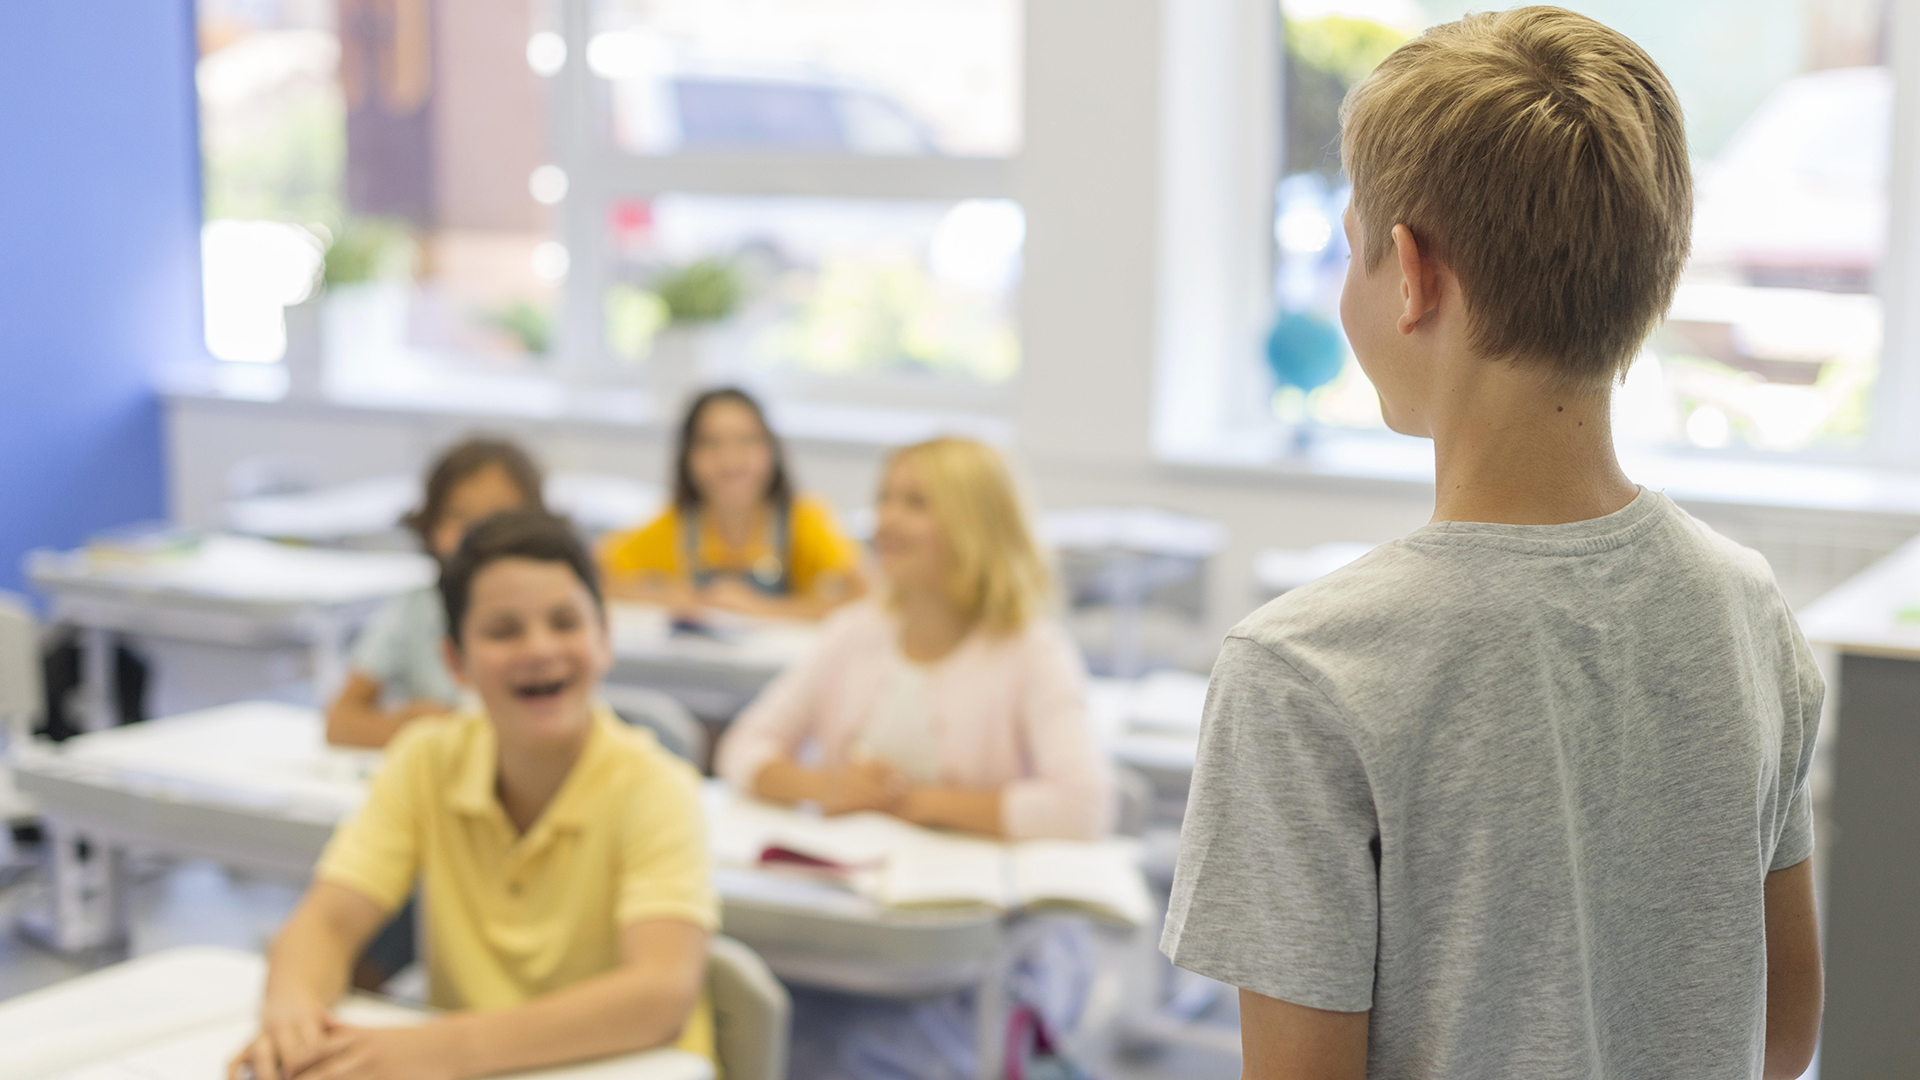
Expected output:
(599, 174)
(1210, 403)
(1894, 436)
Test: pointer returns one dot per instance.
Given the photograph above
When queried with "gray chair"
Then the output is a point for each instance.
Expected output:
(669, 720)
(1134, 798)
(20, 694)
(20, 703)
(752, 1014)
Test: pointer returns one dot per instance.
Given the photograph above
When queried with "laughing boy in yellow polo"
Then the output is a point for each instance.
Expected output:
(559, 853)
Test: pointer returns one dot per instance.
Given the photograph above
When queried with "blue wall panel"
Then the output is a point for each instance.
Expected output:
(99, 260)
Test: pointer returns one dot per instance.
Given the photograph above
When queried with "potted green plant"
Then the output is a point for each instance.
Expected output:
(347, 298)
(696, 297)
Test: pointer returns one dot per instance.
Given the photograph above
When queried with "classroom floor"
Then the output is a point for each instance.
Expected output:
(200, 903)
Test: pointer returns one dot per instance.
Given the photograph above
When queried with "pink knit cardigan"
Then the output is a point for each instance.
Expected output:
(1009, 712)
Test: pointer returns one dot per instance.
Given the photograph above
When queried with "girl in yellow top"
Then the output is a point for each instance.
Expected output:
(736, 537)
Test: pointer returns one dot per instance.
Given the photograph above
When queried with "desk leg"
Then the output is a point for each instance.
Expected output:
(990, 1013)
(1128, 582)
(329, 657)
(1873, 876)
(97, 711)
(89, 894)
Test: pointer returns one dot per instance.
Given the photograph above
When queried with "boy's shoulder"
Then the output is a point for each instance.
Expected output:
(1468, 584)
(439, 743)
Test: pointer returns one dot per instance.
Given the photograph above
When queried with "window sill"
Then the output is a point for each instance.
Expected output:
(539, 398)
(1397, 465)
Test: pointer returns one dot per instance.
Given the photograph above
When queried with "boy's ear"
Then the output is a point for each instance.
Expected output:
(450, 655)
(1419, 280)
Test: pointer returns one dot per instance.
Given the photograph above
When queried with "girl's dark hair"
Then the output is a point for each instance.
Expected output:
(512, 534)
(464, 460)
(685, 496)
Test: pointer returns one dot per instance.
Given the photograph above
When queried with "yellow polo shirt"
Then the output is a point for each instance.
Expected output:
(510, 917)
(815, 547)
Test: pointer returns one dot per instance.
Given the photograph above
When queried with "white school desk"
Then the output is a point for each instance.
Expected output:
(1137, 549)
(253, 785)
(369, 510)
(714, 675)
(1152, 724)
(225, 590)
(1872, 932)
(244, 591)
(182, 1014)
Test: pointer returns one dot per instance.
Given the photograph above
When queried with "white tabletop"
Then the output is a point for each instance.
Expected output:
(1873, 613)
(1152, 722)
(181, 1014)
(252, 784)
(234, 570)
(1278, 570)
(596, 502)
(646, 631)
(264, 756)
(1141, 529)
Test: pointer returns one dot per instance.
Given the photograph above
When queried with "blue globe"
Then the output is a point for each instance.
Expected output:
(1305, 351)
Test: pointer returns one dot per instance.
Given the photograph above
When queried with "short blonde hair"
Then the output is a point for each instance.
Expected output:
(1542, 157)
(1000, 576)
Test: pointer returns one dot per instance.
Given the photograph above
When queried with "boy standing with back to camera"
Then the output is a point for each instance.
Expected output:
(1523, 794)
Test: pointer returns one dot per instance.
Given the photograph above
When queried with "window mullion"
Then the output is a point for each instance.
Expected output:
(1896, 418)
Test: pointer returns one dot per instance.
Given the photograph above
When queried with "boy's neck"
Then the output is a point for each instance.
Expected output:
(529, 777)
(1508, 450)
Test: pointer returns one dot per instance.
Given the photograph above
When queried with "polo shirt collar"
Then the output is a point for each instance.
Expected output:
(472, 790)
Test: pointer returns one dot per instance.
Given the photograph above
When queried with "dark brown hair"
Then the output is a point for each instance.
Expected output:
(1541, 156)
(462, 461)
(512, 534)
(685, 496)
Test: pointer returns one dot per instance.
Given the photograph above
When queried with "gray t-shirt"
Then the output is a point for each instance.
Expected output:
(400, 649)
(1515, 789)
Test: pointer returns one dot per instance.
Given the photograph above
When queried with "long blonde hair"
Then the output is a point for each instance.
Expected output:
(1000, 576)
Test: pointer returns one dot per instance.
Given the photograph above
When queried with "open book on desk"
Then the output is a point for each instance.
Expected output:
(902, 865)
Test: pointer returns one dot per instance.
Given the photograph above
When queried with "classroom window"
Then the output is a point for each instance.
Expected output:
(800, 194)
(385, 159)
(513, 183)
(1774, 339)
(867, 77)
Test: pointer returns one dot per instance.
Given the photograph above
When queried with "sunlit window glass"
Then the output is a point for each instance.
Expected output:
(378, 180)
(811, 286)
(1774, 337)
(874, 77)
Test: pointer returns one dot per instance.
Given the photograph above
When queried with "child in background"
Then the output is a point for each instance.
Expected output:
(399, 670)
(736, 537)
(952, 702)
(560, 853)
(1523, 794)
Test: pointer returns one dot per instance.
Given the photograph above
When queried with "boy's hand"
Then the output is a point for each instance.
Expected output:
(292, 1030)
(402, 1053)
(863, 785)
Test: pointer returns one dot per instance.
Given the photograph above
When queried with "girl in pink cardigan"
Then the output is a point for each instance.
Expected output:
(952, 702)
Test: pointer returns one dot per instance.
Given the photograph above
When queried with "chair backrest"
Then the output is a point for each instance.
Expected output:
(752, 1013)
(21, 697)
(21, 700)
(1134, 798)
(669, 720)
